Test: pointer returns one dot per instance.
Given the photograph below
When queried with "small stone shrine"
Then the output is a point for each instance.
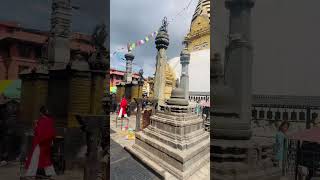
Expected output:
(174, 144)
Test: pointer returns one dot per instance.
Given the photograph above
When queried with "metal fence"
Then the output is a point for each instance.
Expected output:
(301, 157)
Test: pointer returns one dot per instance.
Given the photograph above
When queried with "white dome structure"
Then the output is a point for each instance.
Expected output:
(199, 70)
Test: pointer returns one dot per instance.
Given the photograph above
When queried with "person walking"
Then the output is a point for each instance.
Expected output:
(281, 145)
(123, 110)
(39, 162)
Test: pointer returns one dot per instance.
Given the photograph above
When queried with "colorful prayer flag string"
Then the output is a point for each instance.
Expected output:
(132, 46)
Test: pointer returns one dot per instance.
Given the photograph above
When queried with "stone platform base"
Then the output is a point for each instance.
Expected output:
(166, 174)
(168, 162)
(243, 160)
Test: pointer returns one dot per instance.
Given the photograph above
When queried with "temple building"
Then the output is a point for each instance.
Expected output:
(198, 44)
(22, 48)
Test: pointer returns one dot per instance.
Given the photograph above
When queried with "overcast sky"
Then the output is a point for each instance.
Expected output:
(133, 20)
(286, 40)
(36, 13)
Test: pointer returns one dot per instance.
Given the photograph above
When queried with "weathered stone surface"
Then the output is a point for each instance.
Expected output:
(243, 159)
(175, 141)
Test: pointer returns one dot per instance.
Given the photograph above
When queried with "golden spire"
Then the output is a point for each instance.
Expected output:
(199, 35)
(203, 8)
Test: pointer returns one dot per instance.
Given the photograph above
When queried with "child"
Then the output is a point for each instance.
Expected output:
(281, 144)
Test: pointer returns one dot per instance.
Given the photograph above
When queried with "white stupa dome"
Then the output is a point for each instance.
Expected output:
(199, 70)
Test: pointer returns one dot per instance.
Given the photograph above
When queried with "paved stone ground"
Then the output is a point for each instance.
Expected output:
(118, 137)
(122, 165)
(12, 172)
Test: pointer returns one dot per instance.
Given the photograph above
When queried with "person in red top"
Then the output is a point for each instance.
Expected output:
(123, 109)
(39, 160)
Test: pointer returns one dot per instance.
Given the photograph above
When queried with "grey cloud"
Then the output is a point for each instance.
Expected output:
(285, 36)
(36, 13)
(133, 20)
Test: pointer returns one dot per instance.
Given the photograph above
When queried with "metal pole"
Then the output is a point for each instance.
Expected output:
(138, 115)
(308, 122)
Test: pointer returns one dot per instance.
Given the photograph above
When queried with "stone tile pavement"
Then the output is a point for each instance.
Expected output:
(12, 172)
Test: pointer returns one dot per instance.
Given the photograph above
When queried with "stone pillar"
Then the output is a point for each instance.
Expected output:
(120, 92)
(139, 105)
(128, 76)
(234, 153)
(162, 43)
(234, 93)
(69, 94)
(184, 80)
(59, 45)
(96, 166)
(98, 66)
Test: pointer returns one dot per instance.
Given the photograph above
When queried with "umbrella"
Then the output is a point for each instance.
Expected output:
(311, 135)
(205, 103)
(113, 89)
(10, 88)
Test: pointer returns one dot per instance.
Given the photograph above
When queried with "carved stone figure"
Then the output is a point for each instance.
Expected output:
(99, 36)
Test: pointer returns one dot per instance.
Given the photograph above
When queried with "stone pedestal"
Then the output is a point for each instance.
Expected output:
(243, 160)
(175, 143)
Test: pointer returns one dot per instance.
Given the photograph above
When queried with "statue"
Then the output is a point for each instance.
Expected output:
(140, 74)
(164, 26)
(99, 36)
(98, 59)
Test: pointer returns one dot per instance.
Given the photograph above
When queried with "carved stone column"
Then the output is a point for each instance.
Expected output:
(128, 76)
(59, 44)
(162, 43)
(184, 61)
(95, 127)
(98, 66)
(235, 154)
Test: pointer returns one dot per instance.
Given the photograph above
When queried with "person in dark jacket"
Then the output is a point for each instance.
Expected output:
(310, 157)
(3, 135)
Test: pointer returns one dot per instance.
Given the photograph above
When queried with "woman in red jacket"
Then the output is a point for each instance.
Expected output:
(123, 110)
(39, 159)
